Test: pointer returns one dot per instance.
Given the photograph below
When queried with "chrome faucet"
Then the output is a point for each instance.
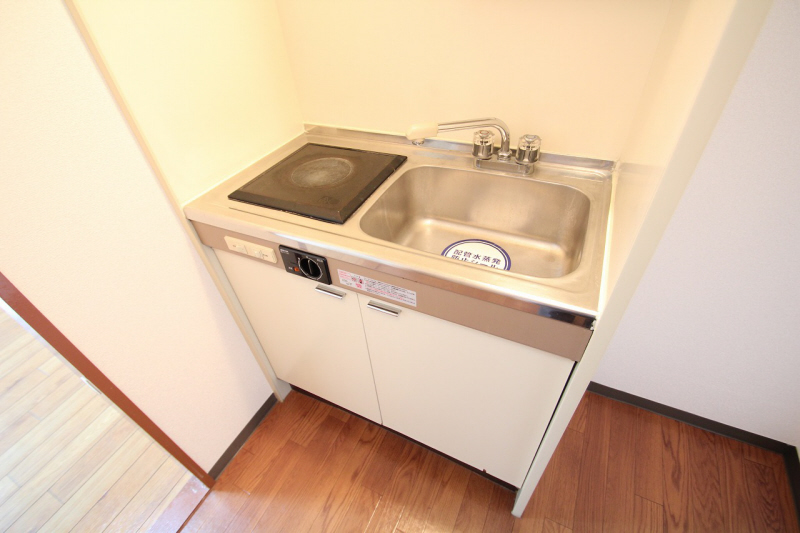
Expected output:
(527, 152)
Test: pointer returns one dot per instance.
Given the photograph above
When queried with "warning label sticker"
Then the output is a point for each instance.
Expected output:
(378, 288)
(479, 252)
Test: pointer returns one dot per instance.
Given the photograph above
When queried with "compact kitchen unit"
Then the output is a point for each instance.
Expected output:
(468, 360)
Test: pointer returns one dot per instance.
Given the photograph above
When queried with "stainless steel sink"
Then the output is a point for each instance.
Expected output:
(542, 226)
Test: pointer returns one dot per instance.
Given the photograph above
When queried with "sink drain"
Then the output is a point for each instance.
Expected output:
(479, 252)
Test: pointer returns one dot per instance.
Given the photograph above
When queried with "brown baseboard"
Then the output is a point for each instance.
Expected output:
(240, 439)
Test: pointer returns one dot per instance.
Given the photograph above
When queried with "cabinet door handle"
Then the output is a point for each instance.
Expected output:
(327, 292)
(383, 309)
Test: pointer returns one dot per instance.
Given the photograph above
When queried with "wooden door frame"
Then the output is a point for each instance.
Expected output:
(36, 320)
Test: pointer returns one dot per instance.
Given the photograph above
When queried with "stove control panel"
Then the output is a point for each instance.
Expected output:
(304, 264)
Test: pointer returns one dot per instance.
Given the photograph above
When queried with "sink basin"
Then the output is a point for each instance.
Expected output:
(541, 226)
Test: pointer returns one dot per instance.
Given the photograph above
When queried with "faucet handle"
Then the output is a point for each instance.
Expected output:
(528, 149)
(418, 132)
(483, 144)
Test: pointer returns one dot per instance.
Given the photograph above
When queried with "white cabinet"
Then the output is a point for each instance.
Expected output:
(481, 399)
(313, 340)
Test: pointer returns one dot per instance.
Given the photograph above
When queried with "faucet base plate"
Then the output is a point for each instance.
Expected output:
(525, 169)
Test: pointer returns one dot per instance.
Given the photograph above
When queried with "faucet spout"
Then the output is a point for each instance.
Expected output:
(505, 136)
(483, 145)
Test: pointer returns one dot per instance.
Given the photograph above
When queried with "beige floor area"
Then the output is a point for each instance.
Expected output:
(70, 460)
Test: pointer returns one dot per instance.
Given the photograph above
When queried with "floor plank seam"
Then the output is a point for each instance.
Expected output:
(157, 507)
(153, 473)
(97, 467)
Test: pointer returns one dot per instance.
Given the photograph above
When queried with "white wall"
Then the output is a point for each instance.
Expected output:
(88, 235)
(712, 327)
(571, 71)
(208, 83)
(688, 44)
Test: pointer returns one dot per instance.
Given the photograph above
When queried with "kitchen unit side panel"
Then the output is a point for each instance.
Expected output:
(313, 341)
(481, 399)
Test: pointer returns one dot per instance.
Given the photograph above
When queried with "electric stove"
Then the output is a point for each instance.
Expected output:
(323, 182)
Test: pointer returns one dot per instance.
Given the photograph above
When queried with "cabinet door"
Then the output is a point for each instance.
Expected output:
(481, 399)
(313, 340)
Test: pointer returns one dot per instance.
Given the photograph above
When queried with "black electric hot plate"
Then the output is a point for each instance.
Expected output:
(318, 181)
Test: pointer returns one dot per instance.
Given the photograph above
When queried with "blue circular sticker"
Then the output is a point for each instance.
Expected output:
(479, 252)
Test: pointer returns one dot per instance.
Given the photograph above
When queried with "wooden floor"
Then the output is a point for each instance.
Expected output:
(69, 459)
(312, 467)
